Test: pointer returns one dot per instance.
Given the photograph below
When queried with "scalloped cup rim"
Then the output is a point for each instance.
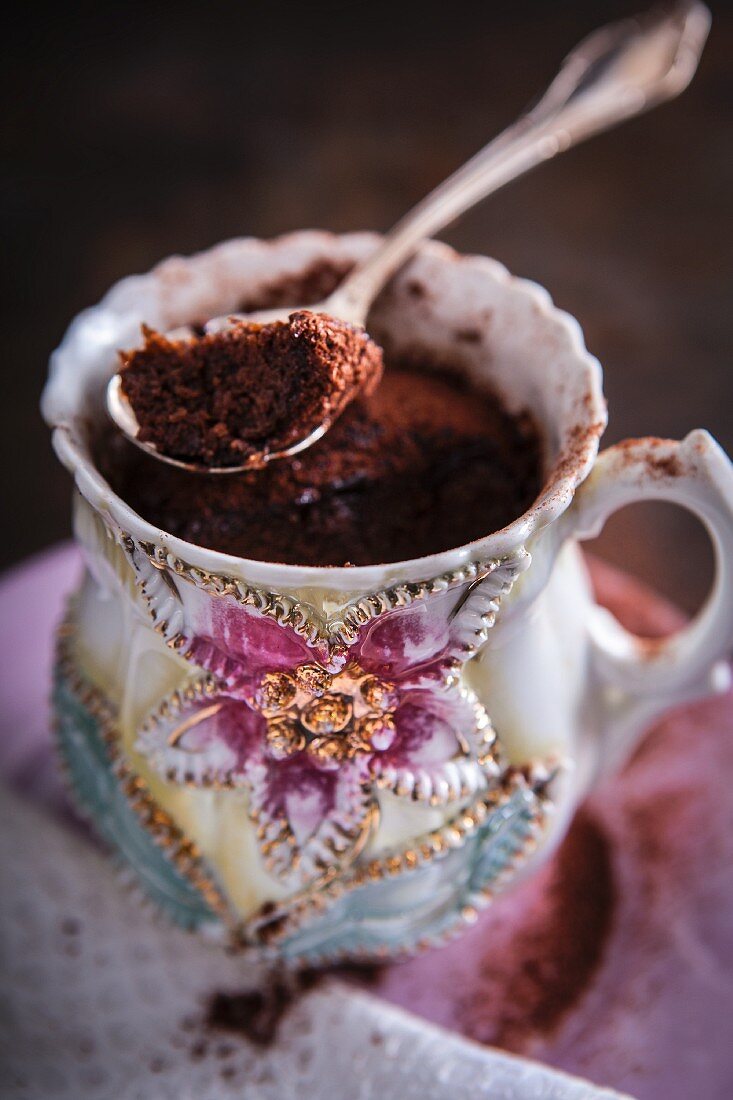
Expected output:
(567, 473)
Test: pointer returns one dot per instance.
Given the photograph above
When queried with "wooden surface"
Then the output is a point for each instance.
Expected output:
(132, 132)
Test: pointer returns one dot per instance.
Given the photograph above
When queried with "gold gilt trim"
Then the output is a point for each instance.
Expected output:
(329, 851)
(453, 781)
(476, 614)
(346, 625)
(489, 580)
(345, 848)
(274, 925)
(277, 924)
(285, 610)
(182, 852)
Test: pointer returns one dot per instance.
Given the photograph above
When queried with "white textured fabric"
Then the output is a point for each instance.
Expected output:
(101, 1001)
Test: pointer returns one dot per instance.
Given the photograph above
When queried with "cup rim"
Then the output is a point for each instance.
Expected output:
(571, 467)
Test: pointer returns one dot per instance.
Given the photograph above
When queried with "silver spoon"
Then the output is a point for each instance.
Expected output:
(615, 73)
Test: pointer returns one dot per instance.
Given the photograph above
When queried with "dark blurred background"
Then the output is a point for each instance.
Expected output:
(135, 131)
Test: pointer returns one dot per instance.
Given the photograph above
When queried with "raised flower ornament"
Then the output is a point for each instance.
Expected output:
(314, 719)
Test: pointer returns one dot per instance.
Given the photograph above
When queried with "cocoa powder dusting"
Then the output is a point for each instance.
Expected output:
(658, 464)
(555, 954)
(668, 466)
(298, 288)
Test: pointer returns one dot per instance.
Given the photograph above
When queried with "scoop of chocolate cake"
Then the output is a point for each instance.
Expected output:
(227, 398)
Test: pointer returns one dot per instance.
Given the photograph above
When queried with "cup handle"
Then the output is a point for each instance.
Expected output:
(635, 679)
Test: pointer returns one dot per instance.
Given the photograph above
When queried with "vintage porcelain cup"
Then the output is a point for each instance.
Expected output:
(328, 762)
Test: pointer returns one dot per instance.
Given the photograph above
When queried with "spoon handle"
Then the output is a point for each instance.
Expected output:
(616, 73)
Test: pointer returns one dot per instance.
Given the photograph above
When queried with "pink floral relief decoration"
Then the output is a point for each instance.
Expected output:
(313, 723)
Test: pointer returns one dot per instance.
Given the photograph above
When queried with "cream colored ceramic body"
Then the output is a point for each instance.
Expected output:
(348, 761)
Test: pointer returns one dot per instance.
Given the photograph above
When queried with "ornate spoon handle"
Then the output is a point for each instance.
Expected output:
(617, 72)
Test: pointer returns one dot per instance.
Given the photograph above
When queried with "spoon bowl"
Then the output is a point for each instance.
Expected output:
(123, 414)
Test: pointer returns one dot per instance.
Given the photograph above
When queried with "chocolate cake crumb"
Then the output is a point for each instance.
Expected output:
(217, 399)
(256, 1015)
(425, 463)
